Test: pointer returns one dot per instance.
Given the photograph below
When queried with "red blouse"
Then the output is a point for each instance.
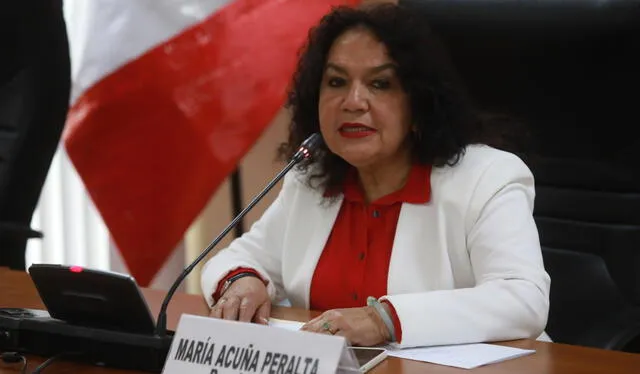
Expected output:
(355, 261)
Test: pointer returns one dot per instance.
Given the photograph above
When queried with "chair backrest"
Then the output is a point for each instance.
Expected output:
(569, 69)
(34, 97)
(597, 217)
(562, 66)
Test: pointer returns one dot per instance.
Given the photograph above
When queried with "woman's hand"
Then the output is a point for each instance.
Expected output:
(360, 326)
(246, 300)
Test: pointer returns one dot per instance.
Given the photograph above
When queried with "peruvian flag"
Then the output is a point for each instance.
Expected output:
(167, 97)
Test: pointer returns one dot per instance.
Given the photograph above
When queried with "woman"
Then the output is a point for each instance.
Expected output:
(407, 227)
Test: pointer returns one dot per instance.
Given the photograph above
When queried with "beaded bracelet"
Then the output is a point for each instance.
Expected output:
(372, 301)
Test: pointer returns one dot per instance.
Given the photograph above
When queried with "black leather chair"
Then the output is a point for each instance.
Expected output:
(34, 96)
(570, 70)
(590, 230)
(587, 306)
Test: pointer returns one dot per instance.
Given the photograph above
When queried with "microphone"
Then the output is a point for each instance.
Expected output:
(306, 150)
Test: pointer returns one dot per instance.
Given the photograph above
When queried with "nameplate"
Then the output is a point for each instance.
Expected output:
(203, 345)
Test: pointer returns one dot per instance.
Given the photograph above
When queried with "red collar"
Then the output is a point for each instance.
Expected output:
(417, 189)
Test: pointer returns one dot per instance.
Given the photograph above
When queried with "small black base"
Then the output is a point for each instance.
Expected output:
(31, 331)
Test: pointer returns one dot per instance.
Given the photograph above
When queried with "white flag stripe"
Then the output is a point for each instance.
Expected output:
(103, 35)
(106, 34)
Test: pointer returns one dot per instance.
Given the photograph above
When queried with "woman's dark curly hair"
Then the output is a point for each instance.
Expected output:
(444, 118)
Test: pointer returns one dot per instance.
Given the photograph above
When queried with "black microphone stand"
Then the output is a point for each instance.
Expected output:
(161, 324)
(305, 151)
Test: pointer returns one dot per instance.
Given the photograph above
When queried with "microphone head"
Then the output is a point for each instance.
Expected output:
(308, 146)
(312, 142)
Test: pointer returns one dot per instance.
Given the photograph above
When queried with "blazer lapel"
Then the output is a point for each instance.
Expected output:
(323, 224)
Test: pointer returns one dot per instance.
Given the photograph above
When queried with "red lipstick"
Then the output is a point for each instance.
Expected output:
(355, 130)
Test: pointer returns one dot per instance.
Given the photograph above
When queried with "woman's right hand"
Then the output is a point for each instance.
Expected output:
(246, 300)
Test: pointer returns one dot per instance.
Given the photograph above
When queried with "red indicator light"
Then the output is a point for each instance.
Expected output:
(76, 269)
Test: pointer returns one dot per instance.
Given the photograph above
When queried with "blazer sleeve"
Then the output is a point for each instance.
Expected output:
(260, 249)
(510, 299)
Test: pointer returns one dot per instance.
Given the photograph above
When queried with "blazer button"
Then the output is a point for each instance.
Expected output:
(361, 256)
(355, 296)
(376, 213)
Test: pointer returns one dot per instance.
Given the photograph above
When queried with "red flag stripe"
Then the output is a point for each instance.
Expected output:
(154, 140)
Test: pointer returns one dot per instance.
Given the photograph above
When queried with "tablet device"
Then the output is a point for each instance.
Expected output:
(95, 298)
(368, 357)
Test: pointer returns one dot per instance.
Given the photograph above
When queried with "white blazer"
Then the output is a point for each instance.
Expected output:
(465, 267)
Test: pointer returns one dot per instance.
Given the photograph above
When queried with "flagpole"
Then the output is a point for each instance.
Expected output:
(236, 200)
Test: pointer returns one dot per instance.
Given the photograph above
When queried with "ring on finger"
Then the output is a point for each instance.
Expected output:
(327, 327)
